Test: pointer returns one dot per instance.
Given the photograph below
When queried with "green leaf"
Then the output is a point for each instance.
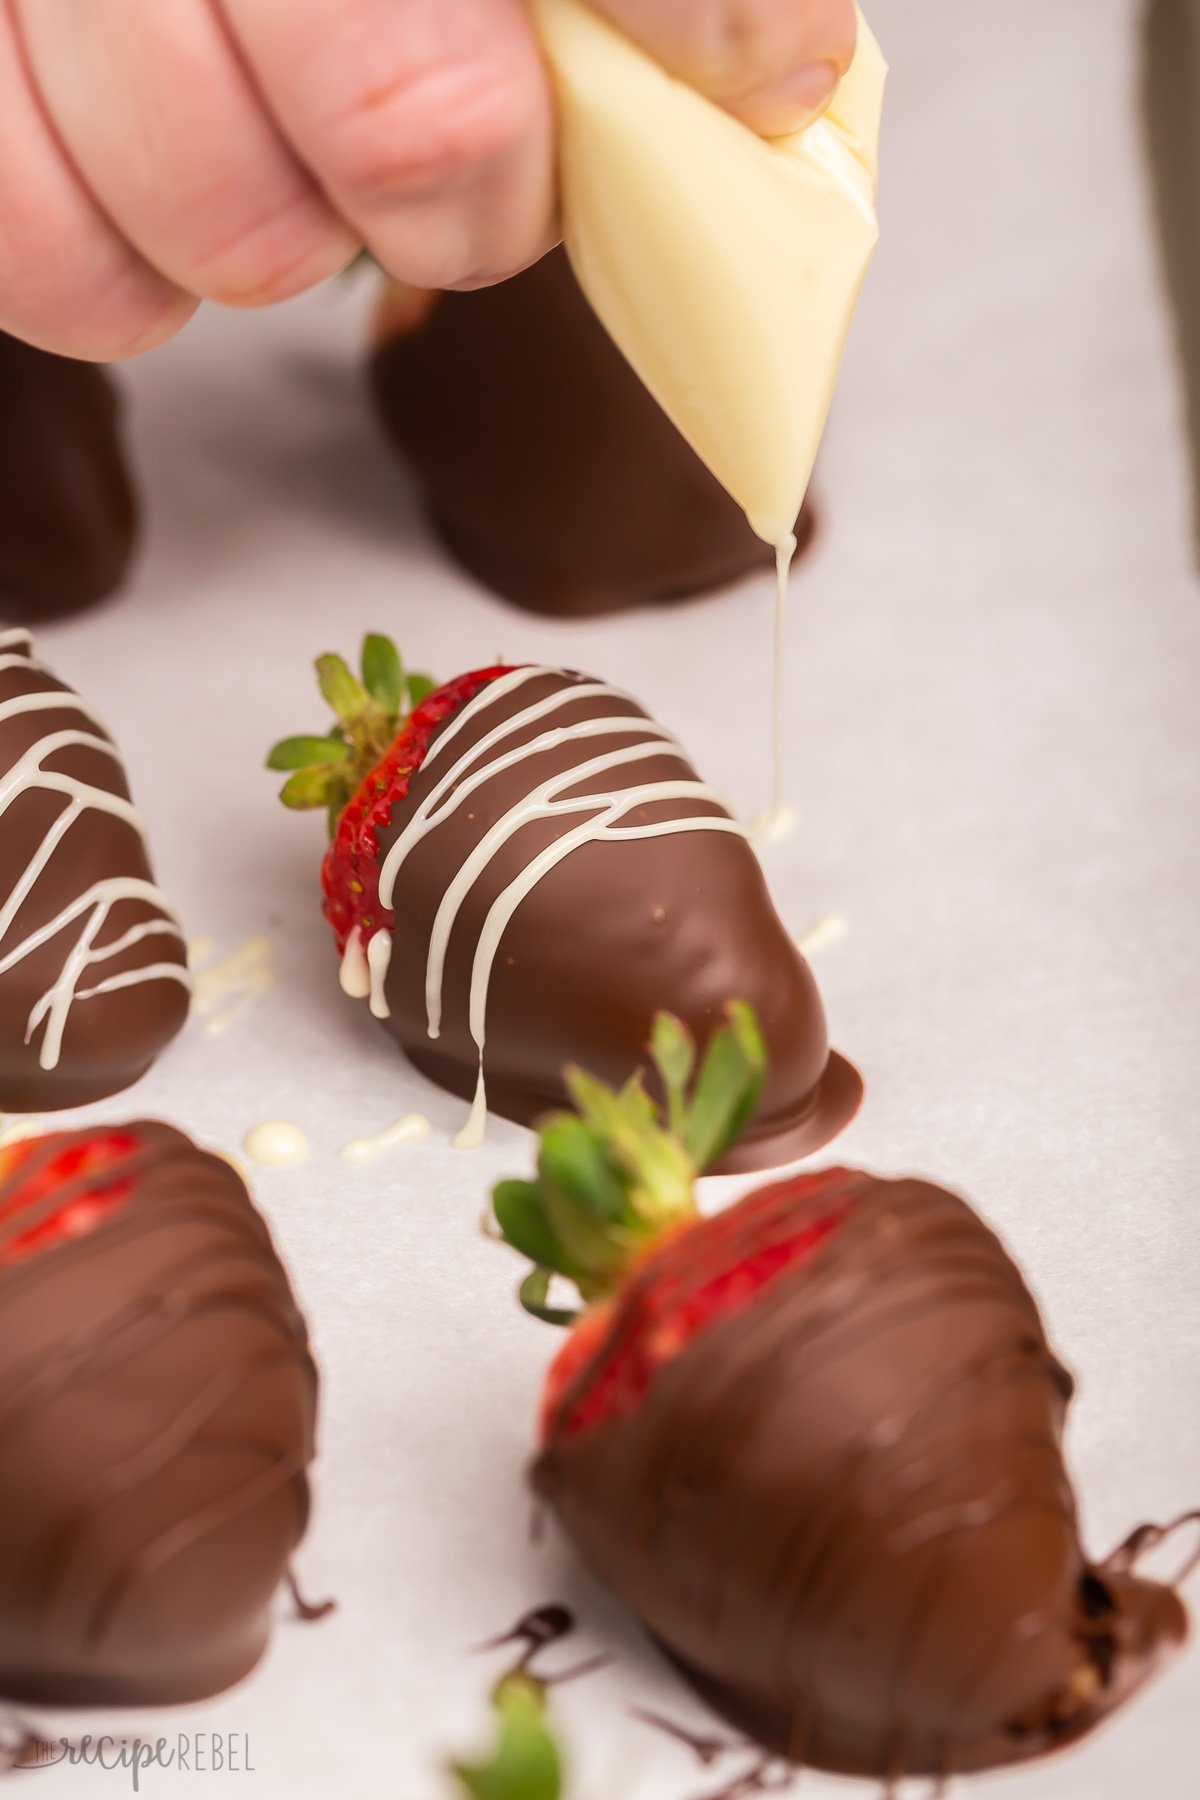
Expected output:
(533, 1293)
(307, 788)
(572, 1158)
(526, 1763)
(419, 688)
(674, 1052)
(655, 1164)
(728, 1086)
(340, 687)
(307, 753)
(522, 1219)
(383, 673)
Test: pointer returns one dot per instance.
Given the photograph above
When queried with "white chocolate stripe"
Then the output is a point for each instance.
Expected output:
(28, 773)
(426, 820)
(422, 822)
(130, 978)
(548, 799)
(543, 804)
(136, 935)
(93, 907)
(487, 696)
(39, 701)
(506, 904)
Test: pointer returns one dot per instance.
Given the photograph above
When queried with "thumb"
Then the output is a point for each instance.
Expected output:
(774, 64)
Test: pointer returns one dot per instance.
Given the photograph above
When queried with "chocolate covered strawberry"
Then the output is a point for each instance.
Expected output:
(524, 867)
(68, 511)
(157, 1418)
(93, 967)
(815, 1443)
(547, 468)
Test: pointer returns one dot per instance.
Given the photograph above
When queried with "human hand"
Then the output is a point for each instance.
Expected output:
(159, 152)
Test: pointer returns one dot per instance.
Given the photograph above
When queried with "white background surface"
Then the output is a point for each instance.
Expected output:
(993, 742)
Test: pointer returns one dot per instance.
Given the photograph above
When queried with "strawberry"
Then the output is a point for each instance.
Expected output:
(815, 1443)
(361, 769)
(529, 891)
(54, 1188)
(614, 1211)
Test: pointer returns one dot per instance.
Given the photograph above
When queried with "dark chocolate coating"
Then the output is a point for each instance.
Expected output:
(110, 1038)
(615, 933)
(845, 1514)
(549, 470)
(68, 518)
(157, 1408)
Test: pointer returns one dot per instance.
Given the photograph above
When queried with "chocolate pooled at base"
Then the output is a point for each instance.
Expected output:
(93, 966)
(68, 517)
(621, 926)
(157, 1416)
(548, 468)
(843, 1510)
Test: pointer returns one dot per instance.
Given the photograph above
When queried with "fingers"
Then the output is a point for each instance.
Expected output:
(774, 63)
(427, 122)
(156, 110)
(68, 281)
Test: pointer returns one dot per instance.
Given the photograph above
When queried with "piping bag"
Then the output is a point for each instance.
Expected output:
(725, 266)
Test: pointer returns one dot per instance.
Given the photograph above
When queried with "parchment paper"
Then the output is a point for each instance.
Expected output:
(994, 747)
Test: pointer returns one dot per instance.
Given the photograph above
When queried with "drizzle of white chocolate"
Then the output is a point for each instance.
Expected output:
(94, 905)
(600, 817)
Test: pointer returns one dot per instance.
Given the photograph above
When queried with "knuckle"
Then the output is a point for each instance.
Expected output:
(757, 40)
(271, 255)
(424, 130)
(96, 321)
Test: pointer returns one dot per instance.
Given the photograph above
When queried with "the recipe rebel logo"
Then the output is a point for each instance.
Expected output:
(197, 1753)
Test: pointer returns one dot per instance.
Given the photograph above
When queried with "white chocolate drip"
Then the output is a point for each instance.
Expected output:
(276, 1144)
(94, 906)
(411, 1129)
(779, 820)
(828, 930)
(224, 990)
(550, 799)
(16, 1131)
(354, 975)
(473, 1132)
(379, 957)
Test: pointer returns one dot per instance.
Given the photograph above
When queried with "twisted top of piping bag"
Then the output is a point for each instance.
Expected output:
(726, 267)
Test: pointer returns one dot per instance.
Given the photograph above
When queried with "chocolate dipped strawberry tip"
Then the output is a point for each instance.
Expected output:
(325, 769)
(618, 1174)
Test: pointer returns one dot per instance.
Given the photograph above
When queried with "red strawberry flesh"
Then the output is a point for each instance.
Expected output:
(83, 1162)
(707, 1271)
(350, 876)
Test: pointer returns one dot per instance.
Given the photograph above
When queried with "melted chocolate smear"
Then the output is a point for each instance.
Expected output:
(1146, 1538)
(706, 1750)
(767, 1776)
(307, 1610)
(538, 1631)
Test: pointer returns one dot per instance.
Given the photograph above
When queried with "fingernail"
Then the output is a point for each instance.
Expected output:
(780, 107)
